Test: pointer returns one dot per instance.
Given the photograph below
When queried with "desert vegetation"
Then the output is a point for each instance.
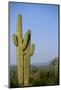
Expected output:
(39, 75)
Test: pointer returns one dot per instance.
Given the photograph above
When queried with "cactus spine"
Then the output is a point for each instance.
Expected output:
(24, 51)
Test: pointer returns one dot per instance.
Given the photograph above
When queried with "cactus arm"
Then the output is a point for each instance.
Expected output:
(32, 48)
(26, 40)
(15, 40)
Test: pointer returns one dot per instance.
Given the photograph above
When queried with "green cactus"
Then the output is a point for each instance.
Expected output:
(24, 52)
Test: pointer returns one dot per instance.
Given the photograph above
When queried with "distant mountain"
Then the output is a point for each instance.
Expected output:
(48, 63)
(54, 61)
(40, 65)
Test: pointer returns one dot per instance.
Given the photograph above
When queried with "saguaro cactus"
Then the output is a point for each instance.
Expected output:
(24, 50)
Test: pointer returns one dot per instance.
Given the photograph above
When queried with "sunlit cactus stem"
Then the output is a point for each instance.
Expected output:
(17, 39)
(24, 51)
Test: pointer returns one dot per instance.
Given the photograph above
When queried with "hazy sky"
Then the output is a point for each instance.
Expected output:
(43, 22)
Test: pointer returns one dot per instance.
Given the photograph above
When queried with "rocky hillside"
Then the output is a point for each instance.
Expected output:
(39, 76)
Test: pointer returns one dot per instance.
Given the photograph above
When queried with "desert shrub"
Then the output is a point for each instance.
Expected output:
(38, 76)
(13, 79)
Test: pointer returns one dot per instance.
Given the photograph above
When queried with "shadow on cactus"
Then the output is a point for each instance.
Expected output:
(24, 51)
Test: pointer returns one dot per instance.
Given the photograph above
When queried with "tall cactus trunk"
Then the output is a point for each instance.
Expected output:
(24, 52)
(19, 51)
(27, 66)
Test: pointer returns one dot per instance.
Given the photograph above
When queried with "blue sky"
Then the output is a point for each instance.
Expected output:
(42, 20)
